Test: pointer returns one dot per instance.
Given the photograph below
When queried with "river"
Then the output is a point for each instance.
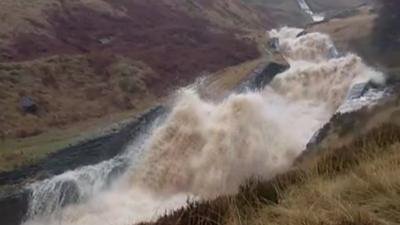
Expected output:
(202, 149)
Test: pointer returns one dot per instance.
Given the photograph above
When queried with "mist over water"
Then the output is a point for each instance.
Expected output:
(205, 149)
(210, 149)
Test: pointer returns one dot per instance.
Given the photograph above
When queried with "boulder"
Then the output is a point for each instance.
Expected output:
(274, 44)
(13, 207)
(304, 32)
(28, 105)
(261, 76)
(358, 90)
(333, 53)
(267, 74)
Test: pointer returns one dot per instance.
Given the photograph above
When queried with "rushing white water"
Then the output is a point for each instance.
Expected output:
(205, 149)
(306, 8)
(50, 196)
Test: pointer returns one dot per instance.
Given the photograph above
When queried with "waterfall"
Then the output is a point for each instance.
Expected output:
(204, 149)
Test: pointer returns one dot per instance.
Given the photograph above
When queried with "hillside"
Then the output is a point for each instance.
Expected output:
(326, 5)
(288, 12)
(31, 29)
(86, 59)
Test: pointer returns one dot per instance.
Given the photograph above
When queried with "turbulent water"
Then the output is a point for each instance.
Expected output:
(205, 148)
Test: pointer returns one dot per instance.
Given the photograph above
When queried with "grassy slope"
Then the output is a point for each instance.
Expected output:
(68, 89)
(288, 12)
(354, 33)
(327, 5)
(356, 184)
(284, 12)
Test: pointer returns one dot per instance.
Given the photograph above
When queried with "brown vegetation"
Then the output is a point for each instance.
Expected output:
(176, 46)
(68, 90)
(87, 59)
(350, 33)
